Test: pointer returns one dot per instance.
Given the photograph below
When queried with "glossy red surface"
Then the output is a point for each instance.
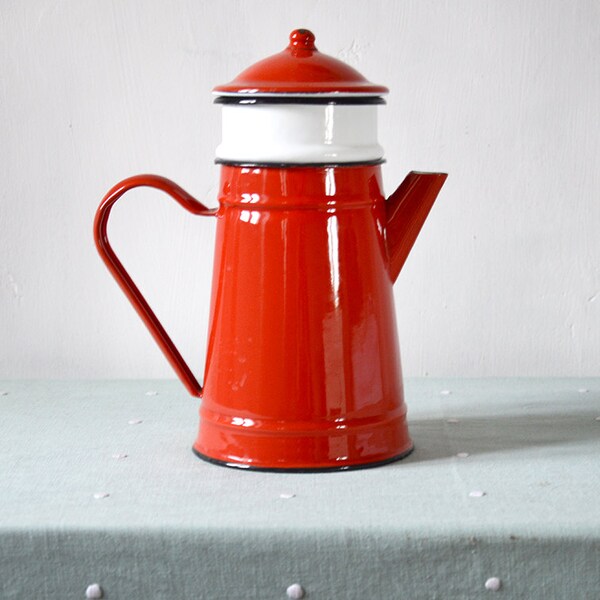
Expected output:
(406, 211)
(303, 367)
(300, 68)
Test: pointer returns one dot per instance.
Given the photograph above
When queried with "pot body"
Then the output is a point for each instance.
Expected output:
(302, 369)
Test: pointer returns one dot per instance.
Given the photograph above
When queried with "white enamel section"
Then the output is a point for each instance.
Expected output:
(299, 133)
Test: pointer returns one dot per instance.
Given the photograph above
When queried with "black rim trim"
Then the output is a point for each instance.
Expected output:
(270, 165)
(356, 100)
(241, 467)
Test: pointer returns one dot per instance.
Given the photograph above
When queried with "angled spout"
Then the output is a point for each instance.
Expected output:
(406, 210)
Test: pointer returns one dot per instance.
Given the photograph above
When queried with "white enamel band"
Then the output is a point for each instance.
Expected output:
(299, 133)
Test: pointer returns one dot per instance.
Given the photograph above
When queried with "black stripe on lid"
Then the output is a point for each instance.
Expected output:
(245, 99)
(296, 165)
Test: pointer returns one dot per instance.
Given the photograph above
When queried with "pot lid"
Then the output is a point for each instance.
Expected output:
(300, 70)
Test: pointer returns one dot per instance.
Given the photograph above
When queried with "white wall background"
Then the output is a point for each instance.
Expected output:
(503, 95)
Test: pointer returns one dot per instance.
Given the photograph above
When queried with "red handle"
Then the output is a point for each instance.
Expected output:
(124, 280)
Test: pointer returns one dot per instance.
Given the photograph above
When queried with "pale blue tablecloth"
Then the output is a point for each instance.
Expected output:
(176, 527)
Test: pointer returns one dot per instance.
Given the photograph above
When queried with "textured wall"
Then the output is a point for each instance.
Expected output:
(503, 95)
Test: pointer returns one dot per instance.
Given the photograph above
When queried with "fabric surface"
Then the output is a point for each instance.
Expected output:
(174, 526)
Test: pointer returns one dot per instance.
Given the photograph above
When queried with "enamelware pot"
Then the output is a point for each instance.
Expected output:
(303, 367)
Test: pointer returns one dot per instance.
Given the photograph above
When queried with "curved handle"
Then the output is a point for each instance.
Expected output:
(124, 280)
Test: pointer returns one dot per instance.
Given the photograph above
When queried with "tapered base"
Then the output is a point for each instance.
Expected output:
(354, 467)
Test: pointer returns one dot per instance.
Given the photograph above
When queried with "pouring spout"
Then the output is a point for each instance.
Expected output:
(406, 210)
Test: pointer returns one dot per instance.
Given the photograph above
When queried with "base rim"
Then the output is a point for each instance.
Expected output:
(355, 467)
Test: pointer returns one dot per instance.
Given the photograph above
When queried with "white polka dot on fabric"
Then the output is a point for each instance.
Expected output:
(295, 591)
(476, 494)
(93, 591)
(493, 584)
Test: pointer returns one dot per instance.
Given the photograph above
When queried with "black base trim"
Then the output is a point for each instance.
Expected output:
(243, 467)
(268, 165)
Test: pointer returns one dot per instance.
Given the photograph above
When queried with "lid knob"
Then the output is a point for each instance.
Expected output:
(302, 39)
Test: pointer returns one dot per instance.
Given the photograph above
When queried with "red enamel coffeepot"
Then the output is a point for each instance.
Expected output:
(302, 368)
